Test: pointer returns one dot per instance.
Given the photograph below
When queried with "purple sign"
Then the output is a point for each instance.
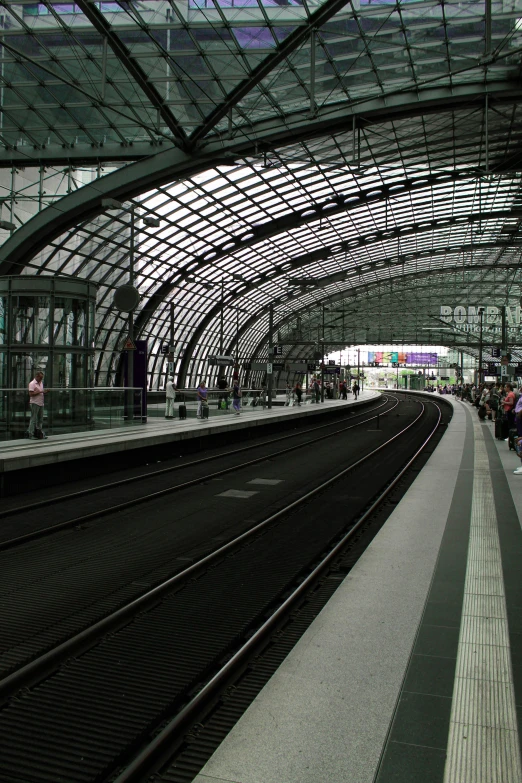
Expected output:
(421, 358)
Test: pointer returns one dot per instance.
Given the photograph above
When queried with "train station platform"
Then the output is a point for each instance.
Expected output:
(87, 453)
(413, 671)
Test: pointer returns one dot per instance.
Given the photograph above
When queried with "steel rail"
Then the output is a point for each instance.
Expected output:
(160, 748)
(45, 664)
(121, 482)
(45, 531)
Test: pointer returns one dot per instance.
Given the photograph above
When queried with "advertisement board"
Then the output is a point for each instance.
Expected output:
(391, 357)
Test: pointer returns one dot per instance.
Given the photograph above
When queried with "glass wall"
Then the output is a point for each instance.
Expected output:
(47, 325)
(69, 410)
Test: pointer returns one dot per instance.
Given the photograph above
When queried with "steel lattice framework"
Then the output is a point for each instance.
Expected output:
(354, 163)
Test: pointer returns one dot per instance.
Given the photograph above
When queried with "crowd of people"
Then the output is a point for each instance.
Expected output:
(294, 394)
(498, 402)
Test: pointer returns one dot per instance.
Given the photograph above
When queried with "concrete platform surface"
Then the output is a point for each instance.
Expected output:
(20, 454)
(367, 694)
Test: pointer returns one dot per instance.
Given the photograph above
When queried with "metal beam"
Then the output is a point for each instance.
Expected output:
(278, 131)
(292, 42)
(173, 163)
(150, 307)
(365, 289)
(352, 293)
(99, 22)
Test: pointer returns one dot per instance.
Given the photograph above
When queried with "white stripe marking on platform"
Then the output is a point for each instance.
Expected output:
(236, 493)
(268, 482)
(483, 743)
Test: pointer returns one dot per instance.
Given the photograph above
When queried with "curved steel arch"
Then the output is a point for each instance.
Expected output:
(365, 288)
(299, 261)
(376, 237)
(161, 167)
(293, 220)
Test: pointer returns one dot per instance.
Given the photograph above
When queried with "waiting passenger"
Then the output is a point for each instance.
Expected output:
(356, 389)
(508, 404)
(518, 423)
(236, 397)
(202, 394)
(298, 392)
(288, 392)
(170, 398)
(223, 395)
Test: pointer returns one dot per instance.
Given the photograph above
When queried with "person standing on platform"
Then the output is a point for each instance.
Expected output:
(355, 390)
(263, 395)
(202, 394)
(288, 394)
(223, 393)
(170, 397)
(518, 425)
(236, 397)
(298, 392)
(36, 404)
(316, 390)
(508, 404)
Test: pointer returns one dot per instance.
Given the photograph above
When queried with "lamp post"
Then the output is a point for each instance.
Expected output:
(480, 374)
(270, 353)
(322, 359)
(129, 304)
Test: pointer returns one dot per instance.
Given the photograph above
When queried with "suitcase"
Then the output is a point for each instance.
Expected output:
(482, 412)
(501, 429)
(512, 435)
(204, 411)
(182, 411)
(38, 434)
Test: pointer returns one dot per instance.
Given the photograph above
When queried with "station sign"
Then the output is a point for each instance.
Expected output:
(467, 318)
(269, 368)
(221, 361)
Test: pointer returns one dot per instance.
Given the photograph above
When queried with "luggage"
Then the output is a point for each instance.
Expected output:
(182, 411)
(38, 434)
(204, 411)
(501, 429)
(482, 412)
(512, 435)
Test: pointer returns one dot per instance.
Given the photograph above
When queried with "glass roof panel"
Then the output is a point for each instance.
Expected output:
(92, 73)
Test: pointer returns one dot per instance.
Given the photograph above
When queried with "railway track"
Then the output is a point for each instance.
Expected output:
(149, 661)
(131, 486)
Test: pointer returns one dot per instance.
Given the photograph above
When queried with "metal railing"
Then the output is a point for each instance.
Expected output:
(70, 410)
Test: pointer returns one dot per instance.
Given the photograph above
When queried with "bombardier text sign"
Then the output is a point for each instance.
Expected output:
(467, 318)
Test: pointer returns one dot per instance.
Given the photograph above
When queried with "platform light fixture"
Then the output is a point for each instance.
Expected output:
(152, 222)
(6, 225)
(111, 203)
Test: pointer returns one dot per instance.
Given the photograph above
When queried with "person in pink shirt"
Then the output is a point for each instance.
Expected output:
(36, 404)
(509, 403)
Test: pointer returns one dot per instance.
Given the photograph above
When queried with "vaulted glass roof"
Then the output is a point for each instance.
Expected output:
(91, 75)
(353, 165)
